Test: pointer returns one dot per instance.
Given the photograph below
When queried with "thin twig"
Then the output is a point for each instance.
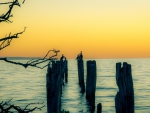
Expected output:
(5, 17)
(34, 63)
(5, 109)
(7, 40)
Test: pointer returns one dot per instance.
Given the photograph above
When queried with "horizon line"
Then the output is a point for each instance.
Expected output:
(75, 58)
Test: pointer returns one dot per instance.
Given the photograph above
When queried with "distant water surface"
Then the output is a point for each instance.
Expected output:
(29, 85)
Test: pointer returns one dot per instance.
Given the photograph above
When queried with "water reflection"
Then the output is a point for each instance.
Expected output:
(29, 85)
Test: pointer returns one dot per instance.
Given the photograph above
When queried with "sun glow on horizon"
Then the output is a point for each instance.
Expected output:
(101, 29)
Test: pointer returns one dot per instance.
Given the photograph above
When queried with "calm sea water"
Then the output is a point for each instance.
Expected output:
(29, 85)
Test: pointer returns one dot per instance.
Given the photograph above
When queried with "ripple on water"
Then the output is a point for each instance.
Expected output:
(28, 85)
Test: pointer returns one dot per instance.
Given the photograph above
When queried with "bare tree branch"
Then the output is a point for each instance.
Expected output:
(44, 58)
(6, 107)
(35, 62)
(13, 36)
(7, 40)
(23, 1)
(5, 17)
(34, 103)
(6, 3)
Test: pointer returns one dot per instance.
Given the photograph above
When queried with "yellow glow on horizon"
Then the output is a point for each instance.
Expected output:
(101, 29)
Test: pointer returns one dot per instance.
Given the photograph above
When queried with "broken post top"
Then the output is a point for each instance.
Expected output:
(79, 56)
(91, 62)
(126, 69)
(62, 58)
(123, 71)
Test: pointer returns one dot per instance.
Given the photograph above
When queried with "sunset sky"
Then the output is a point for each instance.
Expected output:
(98, 28)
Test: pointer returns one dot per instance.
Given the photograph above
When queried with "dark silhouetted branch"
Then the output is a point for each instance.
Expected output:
(35, 62)
(7, 40)
(23, 1)
(6, 107)
(5, 17)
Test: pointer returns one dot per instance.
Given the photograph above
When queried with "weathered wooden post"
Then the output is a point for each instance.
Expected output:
(81, 74)
(53, 86)
(99, 108)
(66, 70)
(62, 75)
(124, 100)
(91, 83)
(62, 69)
